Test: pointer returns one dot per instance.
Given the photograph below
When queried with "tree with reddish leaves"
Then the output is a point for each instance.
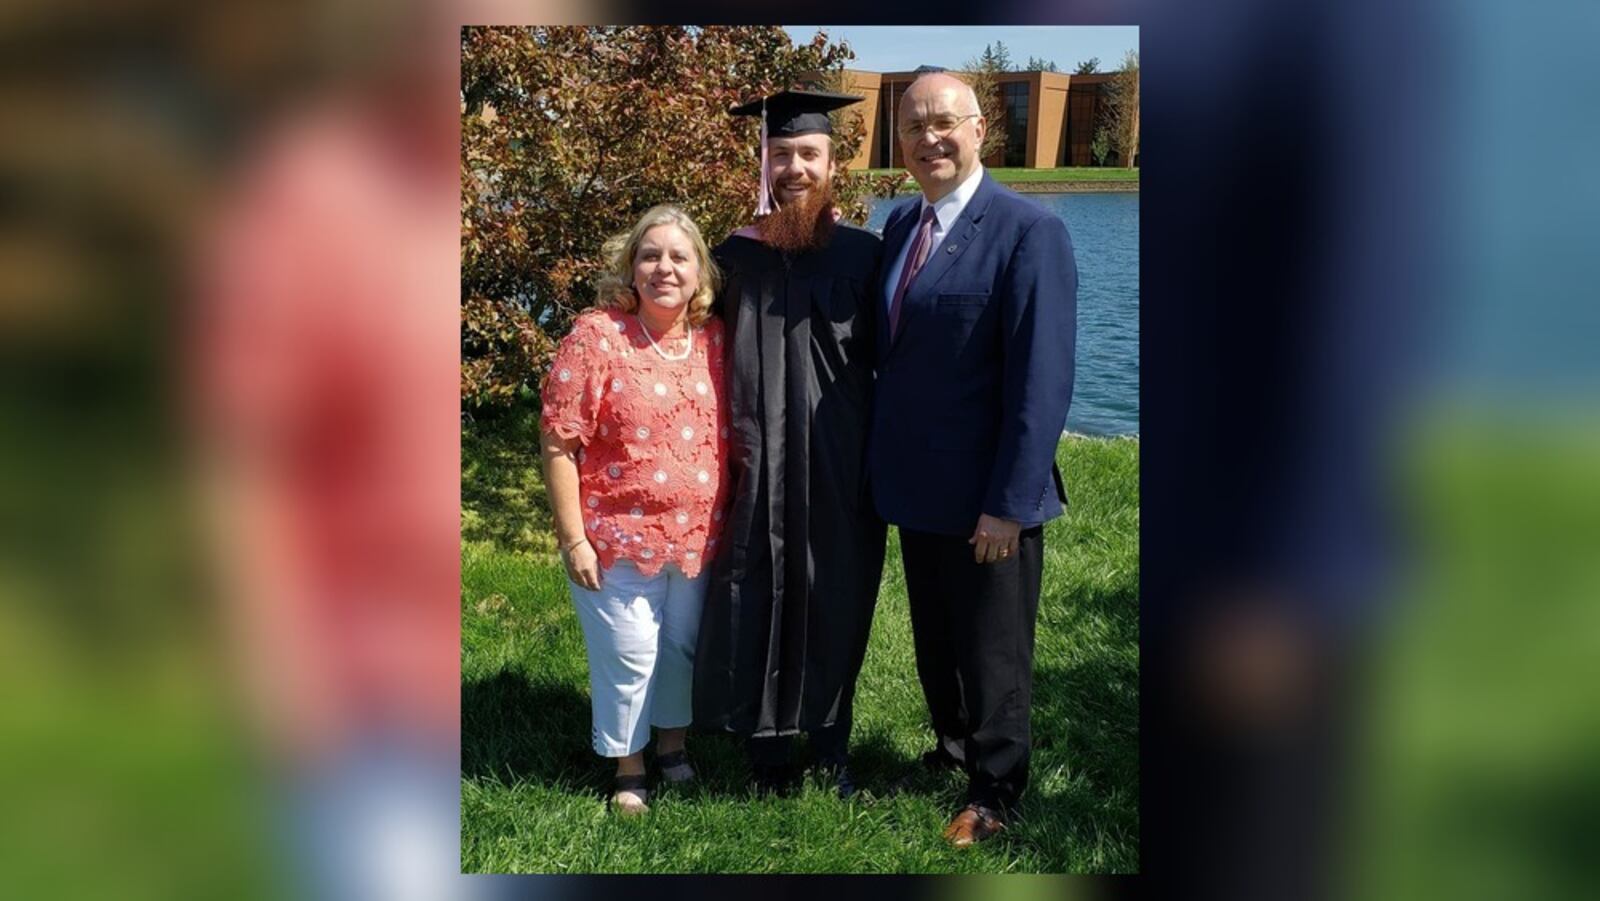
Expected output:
(569, 134)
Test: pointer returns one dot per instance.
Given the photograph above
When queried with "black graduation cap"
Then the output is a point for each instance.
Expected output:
(789, 114)
(792, 113)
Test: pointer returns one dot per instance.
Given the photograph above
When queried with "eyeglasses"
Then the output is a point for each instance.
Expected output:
(941, 127)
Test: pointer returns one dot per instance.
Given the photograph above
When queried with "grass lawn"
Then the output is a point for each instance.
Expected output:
(1069, 173)
(532, 791)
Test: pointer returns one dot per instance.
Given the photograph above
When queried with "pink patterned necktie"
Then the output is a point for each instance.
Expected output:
(914, 260)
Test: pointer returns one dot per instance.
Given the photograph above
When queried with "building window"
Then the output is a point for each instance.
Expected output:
(1015, 97)
(888, 112)
(1085, 111)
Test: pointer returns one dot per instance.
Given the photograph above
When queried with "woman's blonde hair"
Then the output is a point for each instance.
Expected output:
(616, 285)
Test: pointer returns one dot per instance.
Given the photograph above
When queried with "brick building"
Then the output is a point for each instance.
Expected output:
(1049, 117)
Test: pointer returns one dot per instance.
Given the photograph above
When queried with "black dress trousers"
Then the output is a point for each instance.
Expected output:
(973, 627)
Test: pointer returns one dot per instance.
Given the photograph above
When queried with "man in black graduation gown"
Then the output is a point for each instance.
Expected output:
(785, 625)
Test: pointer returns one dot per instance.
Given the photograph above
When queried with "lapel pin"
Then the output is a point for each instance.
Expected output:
(950, 249)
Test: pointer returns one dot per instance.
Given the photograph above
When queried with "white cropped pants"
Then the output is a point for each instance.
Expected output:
(640, 634)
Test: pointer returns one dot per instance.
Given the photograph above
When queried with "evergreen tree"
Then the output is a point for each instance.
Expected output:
(996, 57)
(1002, 57)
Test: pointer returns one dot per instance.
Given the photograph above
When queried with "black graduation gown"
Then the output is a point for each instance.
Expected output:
(787, 614)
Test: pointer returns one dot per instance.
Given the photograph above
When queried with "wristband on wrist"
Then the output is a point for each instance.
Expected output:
(568, 549)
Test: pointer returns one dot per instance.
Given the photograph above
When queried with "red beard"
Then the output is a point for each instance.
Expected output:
(801, 225)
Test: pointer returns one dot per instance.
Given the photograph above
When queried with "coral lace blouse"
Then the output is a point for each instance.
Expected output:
(654, 434)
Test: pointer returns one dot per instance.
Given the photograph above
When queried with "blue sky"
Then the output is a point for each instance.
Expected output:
(895, 48)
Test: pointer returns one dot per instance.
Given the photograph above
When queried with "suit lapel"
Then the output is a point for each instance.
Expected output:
(963, 232)
(895, 236)
(944, 256)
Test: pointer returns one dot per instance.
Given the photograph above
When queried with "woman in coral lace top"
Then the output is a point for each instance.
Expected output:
(635, 438)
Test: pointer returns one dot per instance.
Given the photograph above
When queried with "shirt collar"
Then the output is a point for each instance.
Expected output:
(947, 209)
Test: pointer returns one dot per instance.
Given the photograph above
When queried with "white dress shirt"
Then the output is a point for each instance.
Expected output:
(946, 210)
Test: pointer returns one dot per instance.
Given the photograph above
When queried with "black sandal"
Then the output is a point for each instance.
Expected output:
(634, 786)
(679, 761)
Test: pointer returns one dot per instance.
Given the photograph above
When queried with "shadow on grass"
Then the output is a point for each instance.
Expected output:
(517, 730)
(724, 769)
(1093, 704)
(1086, 718)
(878, 766)
(1080, 812)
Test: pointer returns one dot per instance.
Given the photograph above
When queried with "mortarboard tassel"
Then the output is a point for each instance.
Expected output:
(764, 206)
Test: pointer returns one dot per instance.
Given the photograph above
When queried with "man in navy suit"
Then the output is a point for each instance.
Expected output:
(975, 358)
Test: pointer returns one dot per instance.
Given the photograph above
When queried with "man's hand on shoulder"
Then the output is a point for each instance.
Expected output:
(994, 539)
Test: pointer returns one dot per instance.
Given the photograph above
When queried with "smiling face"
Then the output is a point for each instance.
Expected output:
(940, 164)
(797, 165)
(666, 270)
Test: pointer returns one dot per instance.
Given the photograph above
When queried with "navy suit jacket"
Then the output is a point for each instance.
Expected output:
(972, 392)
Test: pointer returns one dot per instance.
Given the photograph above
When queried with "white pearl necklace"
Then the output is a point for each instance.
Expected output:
(688, 346)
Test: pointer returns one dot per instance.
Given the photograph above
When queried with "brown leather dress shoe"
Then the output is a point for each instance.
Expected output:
(972, 825)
